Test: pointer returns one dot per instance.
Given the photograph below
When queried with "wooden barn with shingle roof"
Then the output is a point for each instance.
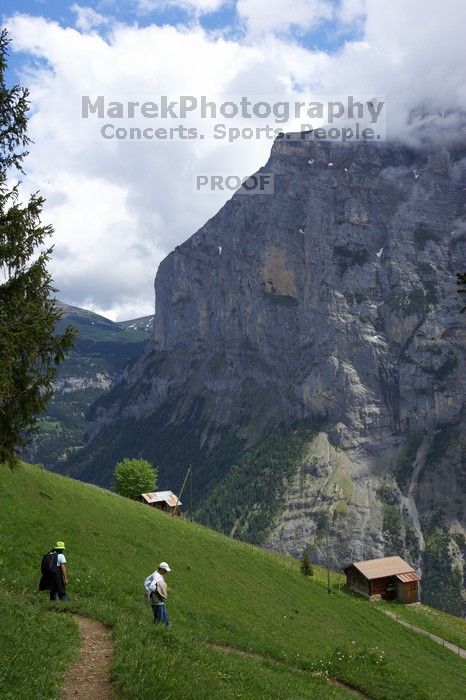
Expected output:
(390, 578)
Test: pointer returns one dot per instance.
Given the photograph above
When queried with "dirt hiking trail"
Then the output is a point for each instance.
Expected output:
(89, 676)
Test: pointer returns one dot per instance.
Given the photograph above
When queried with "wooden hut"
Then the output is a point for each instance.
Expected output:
(163, 500)
(390, 578)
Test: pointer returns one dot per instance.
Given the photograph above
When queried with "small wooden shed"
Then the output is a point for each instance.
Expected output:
(163, 500)
(390, 578)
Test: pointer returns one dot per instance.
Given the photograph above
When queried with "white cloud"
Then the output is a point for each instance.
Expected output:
(199, 7)
(87, 18)
(262, 16)
(350, 10)
(119, 207)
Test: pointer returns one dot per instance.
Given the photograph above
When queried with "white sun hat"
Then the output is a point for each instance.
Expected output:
(164, 565)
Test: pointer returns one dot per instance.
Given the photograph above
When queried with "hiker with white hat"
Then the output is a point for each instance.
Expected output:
(54, 576)
(156, 592)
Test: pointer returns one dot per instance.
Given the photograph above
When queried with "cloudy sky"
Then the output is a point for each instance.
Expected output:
(119, 206)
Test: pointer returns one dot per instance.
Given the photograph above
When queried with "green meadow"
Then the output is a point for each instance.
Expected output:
(244, 622)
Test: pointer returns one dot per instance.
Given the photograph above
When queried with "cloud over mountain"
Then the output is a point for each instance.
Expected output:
(117, 206)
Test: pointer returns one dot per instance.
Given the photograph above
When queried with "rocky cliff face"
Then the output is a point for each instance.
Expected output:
(330, 303)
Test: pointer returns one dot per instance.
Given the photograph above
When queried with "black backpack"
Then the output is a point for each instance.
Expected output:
(49, 563)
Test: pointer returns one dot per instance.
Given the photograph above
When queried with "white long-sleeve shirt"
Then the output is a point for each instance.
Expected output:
(154, 581)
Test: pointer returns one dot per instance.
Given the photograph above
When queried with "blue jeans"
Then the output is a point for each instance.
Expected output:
(160, 614)
(55, 595)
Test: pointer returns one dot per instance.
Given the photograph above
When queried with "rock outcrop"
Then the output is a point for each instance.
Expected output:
(332, 302)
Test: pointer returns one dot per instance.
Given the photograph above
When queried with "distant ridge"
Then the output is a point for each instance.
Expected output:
(103, 349)
(145, 323)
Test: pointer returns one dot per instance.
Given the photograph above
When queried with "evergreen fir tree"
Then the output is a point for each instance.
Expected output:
(306, 566)
(29, 349)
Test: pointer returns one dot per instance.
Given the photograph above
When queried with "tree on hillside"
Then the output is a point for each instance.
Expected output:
(29, 350)
(306, 566)
(135, 476)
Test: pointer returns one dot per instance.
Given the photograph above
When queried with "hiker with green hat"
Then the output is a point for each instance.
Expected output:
(54, 576)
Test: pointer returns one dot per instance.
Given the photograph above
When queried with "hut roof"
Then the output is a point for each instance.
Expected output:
(410, 576)
(386, 566)
(161, 496)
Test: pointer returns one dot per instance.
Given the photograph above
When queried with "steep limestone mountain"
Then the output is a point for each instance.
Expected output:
(102, 351)
(308, 361)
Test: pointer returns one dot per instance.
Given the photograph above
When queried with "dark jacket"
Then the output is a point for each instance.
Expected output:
(53, 581)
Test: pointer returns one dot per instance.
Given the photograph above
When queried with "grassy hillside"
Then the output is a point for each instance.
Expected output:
(222, 592)
(442, 624)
